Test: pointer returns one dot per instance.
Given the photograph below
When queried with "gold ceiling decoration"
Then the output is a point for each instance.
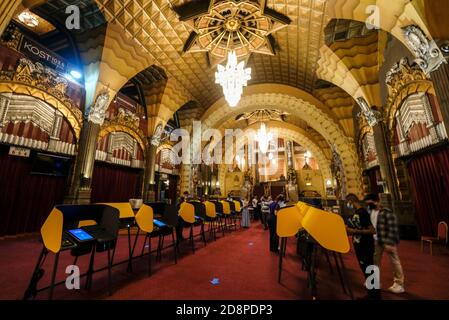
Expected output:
(161, 33)
(243, 26)
(33, 22)
(262, 115)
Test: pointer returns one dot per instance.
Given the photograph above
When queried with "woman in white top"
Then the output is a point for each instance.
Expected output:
(245, 214)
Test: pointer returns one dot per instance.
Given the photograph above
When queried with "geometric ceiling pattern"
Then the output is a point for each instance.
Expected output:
(240, 26)
(157, 28)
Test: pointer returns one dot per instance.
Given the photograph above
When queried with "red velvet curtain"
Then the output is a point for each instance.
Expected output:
(25, 199)
(429, 177)
(112, 183)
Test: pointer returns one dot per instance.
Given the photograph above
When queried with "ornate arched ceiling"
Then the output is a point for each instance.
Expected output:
(289, 120)
(300, 136)
(293, 100)
(362, 56)
(341, 105)
(393, 14)
(156, 27)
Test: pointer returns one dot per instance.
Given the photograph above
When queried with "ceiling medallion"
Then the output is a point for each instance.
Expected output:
(232, 77)
(242, 26)
(262, 115)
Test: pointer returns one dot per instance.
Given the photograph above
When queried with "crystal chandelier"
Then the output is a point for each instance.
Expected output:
(232, 77)
(28, 19)
(263, 138)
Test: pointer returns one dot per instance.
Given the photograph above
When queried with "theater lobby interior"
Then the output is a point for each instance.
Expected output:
(224, 149)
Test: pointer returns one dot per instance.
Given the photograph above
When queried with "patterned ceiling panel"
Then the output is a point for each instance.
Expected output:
(341, 105)
(156, 26)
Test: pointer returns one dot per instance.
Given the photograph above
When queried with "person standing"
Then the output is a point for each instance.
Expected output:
(274, 208)
(180, 226)
(245, 214)
(387, 240)
(362, 232)
(265, 211)
(254, 204)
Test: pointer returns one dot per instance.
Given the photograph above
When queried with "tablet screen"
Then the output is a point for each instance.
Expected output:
(80, 234)
(158, 223)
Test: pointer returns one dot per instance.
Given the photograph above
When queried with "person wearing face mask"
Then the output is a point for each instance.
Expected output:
(387, 239)
(362, 231)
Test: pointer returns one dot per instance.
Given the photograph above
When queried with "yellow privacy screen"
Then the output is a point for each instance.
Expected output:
(288, 221)
(328, 229)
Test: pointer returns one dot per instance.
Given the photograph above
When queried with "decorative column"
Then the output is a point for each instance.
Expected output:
(292, 185)
(149, 188)
(432, 61)
(375, 121)
(80, 190)
(150, 171)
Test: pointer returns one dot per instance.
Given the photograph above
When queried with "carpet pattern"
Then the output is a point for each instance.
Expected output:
(241, 262)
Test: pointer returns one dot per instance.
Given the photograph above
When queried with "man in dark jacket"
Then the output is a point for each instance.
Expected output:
(387, 235)
(361, 229)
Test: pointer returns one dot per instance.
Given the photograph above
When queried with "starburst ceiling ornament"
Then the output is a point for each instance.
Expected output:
(232, 77)
(246, 26)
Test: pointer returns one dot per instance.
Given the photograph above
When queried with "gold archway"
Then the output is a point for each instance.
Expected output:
(294, 133)
(72, 114)
(295, 101)
(122, 128)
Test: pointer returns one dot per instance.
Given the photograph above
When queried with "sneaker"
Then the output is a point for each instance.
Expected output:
(396, 288)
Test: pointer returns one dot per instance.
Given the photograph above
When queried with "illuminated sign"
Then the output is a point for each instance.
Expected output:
(37, 52)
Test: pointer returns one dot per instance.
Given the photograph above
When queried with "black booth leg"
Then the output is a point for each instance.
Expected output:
(31, 289)
(214, 228)
(90, 271)
(113, 251)
(174, 246)
(130, 261)
(222, 226)
(203, 235)
(192, 240)
(281, 254)
(53, 277)
(159, 248)
(162, 246)
(109, 270)
(144, 243)
(129, 242)
(149, 255)
(339, 271)
(285, 246)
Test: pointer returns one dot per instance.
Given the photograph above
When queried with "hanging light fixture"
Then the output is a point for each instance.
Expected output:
(263, 138)
(28, 19)
(232, 77)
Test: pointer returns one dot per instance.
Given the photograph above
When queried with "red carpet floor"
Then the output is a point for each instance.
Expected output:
(240, 260)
